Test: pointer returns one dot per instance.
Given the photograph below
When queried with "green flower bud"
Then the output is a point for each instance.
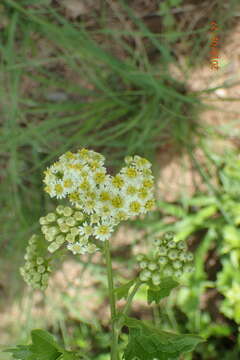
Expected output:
(145, 275)
(74, 231)
(53, 247)
(44, 229)
(152, 266)
(183, 257)
(36, 277)
(60, 209)
(45, 278)
(143, 264)
(49, 237)
(40, 260)
(67, 211)
(168, 271)
(28, 265)
(78, 216)
(70, 221)
(61, 220)
(181, 245)
(60, 239)
(178, 273)
(172, 254)
(188, 268)
(169, 235)
(177, 264)
(83, 240)
(41, 269)
(156, 279)
(91, 248)
(162, 250)
(162, 260)
(51, 217)
(70, 238)
(53, 230)
(43, 221)
(189, 256)
(64, 228)
(158, 242)
(171, 244)
(33, 240)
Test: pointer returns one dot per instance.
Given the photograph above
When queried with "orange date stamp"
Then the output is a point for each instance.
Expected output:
(214, 53)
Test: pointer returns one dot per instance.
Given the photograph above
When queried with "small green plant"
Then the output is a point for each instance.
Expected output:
(98, 203)
(212, 222)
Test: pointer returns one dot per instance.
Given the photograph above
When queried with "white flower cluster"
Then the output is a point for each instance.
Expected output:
(36, 269)
(106, 199)
(68, 225)
(170, 259)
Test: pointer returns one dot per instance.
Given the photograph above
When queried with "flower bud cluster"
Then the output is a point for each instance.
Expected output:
(170, 259)
(37, 268)
(83, 179)
(63, 226)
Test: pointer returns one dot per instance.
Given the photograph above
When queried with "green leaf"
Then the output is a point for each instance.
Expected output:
(69, 355)
(122, 291)
(171, 209)
(43, 347)
(21, 352)
(156, 293)
(148, 343)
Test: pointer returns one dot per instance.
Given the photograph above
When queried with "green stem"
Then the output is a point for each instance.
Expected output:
(114, 334)
(128, 304)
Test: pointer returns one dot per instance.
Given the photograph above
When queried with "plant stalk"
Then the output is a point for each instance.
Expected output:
(114, 333)
(128, 305)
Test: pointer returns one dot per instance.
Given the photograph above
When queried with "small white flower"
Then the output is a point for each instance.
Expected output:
(77, 248)
(103, 232)
(85, 230)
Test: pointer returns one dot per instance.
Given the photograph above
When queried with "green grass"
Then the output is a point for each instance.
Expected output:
(121, 110)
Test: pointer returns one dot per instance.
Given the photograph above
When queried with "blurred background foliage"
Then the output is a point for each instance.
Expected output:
(119, 79)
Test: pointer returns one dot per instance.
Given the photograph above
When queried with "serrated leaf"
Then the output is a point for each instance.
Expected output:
(44, 345)
(148, 343)
(156, 293)
(122, 291)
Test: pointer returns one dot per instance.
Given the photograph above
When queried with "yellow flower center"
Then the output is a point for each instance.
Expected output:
(131, 190)
(143, 193)
(68, 183)
(117, 201)
(58, 189)
(99, 177)
(131, 173)
(149, 205)
(74, 196)
(135, 206)
(117, 181)
(104, 196)
(147, 183)
(103, 230)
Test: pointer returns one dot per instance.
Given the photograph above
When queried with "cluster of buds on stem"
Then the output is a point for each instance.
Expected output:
(62, 227)
(36, 269)
(170, 259)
